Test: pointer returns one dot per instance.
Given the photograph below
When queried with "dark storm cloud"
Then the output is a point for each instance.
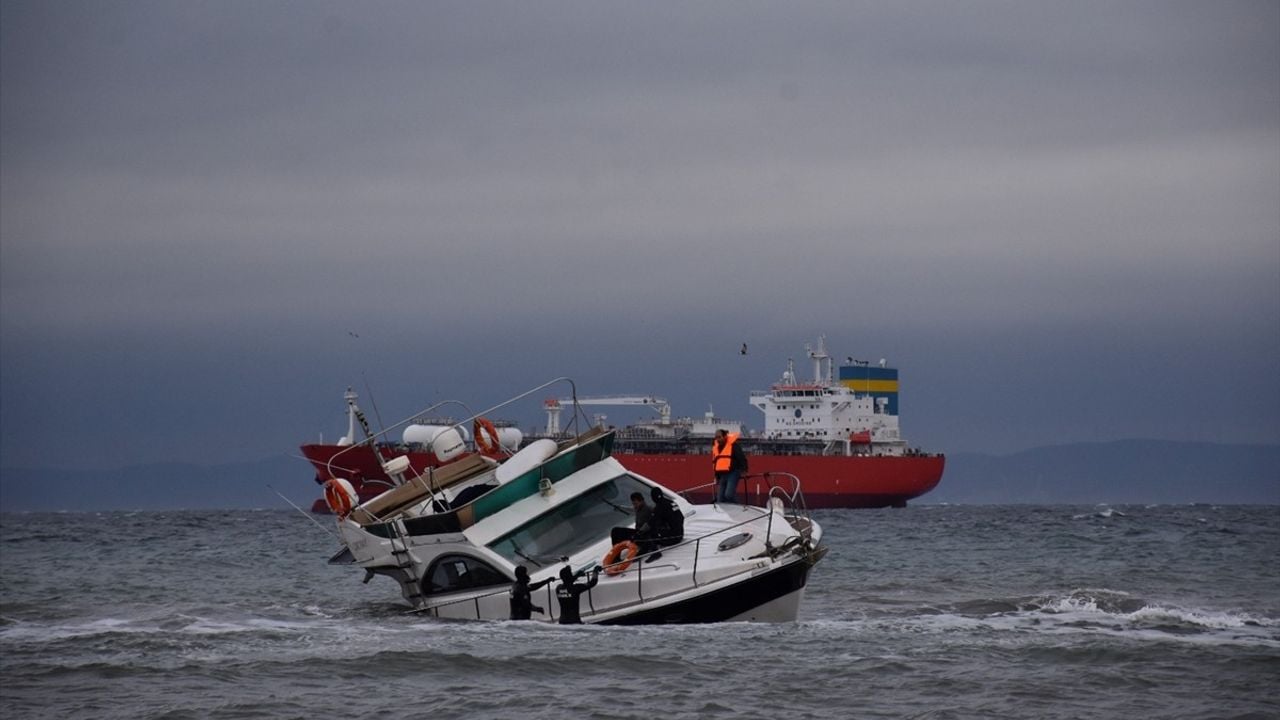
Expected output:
(1007, 198)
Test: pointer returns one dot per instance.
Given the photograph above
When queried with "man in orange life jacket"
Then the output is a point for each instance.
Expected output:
(728, 462)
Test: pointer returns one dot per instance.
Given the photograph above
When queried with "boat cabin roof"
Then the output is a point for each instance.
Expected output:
(585, 450)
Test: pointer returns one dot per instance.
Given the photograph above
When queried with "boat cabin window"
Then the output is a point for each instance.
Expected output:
(573, 525)
(450, 573)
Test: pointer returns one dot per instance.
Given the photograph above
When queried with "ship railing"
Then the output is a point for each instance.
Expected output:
(718, 536)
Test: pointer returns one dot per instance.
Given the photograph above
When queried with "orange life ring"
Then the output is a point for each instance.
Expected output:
(482, 428)
(339, 496)
(615, 562)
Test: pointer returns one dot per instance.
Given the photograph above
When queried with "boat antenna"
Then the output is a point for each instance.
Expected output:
(374, 403)
(304, 512)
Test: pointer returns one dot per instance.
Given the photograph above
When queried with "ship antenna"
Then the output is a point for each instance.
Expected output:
(374, 404)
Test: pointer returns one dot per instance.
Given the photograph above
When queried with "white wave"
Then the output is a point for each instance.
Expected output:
(1082, 611)
(1207, 619)
(174, 624)
(27, 631)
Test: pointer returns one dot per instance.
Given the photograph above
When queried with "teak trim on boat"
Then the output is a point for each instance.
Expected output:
(419, 488)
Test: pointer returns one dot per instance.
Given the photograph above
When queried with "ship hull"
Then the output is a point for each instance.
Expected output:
(828, 481)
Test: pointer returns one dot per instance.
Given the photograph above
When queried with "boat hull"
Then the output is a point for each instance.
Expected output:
(773, 596)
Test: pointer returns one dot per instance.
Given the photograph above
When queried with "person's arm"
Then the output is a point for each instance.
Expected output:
(644, 520)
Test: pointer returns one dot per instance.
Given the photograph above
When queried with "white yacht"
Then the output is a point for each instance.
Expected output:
(452, 537)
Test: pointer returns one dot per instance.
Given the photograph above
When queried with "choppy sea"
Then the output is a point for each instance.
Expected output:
(923, 612)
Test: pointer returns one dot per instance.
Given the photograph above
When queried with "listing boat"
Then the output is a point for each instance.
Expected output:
(840, 433)
(452, 536)
(374, 465)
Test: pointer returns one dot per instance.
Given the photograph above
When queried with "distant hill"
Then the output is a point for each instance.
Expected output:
(1126, 471)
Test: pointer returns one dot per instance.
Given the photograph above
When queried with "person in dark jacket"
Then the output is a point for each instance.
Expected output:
(644, 532)
(668, 521)
(569, 593)
(522, 607)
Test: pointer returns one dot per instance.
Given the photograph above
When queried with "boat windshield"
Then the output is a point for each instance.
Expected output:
(573, 525)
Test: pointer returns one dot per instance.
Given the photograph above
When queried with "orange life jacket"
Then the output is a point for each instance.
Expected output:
(722, 459)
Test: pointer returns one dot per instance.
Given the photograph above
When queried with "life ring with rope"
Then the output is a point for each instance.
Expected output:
(340, 497)
(619, 557)
(486, 436)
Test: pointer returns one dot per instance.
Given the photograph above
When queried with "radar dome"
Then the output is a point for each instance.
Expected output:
(448, 444)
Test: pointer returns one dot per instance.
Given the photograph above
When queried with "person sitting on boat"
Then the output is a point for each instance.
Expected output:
(668, 521)
(569, 592)
(522, 607)
(644, 534)
(728, 463)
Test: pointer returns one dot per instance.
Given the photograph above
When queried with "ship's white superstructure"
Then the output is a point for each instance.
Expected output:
(824, 410)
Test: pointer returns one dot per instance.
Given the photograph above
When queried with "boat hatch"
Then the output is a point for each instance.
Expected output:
(730, 543)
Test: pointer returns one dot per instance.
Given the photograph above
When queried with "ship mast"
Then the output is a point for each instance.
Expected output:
(818, 356)
(350, 396)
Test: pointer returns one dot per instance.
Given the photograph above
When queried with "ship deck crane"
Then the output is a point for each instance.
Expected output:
(553, 407)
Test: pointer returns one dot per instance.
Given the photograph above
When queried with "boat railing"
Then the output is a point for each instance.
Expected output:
(698, 488)
(792, 497)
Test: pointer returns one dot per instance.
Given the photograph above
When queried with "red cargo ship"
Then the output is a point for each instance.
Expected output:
(839, 436)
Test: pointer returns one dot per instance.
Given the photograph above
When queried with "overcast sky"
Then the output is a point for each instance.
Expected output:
(1061, 221)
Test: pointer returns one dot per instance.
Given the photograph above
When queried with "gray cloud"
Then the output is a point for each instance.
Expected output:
(995, 194)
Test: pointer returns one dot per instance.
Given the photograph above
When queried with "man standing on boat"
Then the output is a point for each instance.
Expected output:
(729, 462)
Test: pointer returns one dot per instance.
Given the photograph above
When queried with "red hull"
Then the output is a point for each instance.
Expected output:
(827, 481)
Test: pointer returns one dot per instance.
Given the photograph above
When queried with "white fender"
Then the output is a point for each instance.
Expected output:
(537, 452)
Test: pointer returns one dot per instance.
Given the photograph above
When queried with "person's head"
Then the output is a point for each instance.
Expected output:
(637, 500)
(721, 435)
(522, 572)
(566, 575)
(656, 494)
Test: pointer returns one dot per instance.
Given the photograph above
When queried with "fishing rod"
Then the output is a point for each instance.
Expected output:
(304, 512)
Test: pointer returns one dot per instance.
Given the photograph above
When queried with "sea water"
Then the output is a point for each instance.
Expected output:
(923, 612)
